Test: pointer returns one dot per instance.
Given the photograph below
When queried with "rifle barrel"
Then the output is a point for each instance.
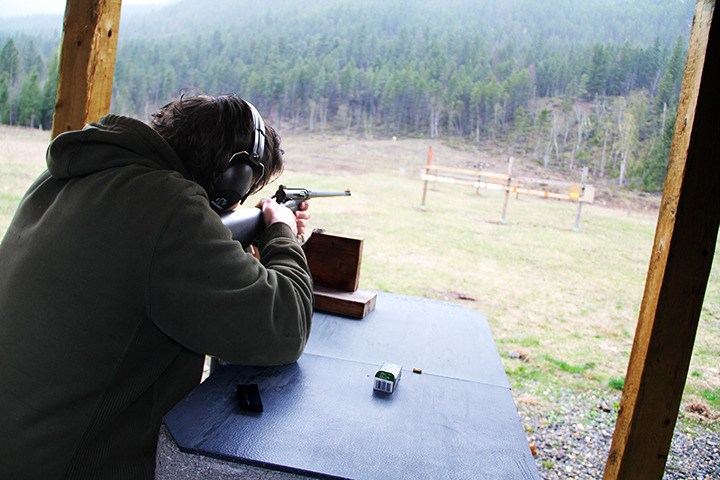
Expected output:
(346, 193)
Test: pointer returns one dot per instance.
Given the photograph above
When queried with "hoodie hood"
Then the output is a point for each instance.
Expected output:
(114, 141)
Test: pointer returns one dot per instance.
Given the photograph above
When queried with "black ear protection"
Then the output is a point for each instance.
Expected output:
(236, 183)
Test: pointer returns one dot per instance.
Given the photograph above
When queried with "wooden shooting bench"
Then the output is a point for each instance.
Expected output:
(454, 419)
(451, 416)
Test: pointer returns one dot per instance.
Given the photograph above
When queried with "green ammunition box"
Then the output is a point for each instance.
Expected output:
(387, 378)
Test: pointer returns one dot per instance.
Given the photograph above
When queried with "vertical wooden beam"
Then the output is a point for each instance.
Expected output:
(681, 260)
(428, 163)
(87, 63)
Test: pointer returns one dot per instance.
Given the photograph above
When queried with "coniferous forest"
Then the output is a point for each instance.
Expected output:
(567, 84)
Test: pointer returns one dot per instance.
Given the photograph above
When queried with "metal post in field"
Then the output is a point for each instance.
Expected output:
(581, 198)
(507, 191)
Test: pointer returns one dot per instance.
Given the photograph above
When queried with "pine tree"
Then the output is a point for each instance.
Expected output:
(49, 92)
(5, 98)
(655, 167)
(10, 61)
(669, 86)
(598, 72)
(29, 102)
(30, 59)
(647, 67)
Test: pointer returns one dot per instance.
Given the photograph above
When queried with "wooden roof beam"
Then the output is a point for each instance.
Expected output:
(87, 63)
(680, 265)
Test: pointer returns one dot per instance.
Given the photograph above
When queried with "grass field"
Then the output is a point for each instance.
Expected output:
(562, 304)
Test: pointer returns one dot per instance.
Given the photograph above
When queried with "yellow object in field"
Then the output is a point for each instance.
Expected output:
(575, 191)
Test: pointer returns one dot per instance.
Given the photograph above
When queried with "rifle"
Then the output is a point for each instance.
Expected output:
(246, 224)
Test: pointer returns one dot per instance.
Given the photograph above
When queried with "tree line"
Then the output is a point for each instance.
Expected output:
(28, 85)
(609, 106)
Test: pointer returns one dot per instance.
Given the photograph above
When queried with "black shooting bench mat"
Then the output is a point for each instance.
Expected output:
(322, 418)
(438, 337)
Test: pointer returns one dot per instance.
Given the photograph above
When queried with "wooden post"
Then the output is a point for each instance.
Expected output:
(581, 199)
(507, 191)
(87, 63)
(334, 263)
(428, 163)
(681, 260)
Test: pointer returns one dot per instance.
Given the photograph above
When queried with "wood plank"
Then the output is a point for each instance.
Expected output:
(546, 182)
(515, 188)
(464, 171)
(87, 63)
(355, 304)
(334, 260)
(438, 170)
(460, 181)
(679, 268)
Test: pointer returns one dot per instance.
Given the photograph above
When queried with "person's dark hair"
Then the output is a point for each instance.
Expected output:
(206, 131)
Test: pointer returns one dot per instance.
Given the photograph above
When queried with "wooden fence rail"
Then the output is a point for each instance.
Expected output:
(579, 192)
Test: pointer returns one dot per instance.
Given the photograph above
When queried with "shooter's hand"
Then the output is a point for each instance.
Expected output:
(302, 217)
(274, 212)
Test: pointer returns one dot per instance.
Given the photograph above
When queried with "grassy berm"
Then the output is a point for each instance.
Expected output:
(562, 304)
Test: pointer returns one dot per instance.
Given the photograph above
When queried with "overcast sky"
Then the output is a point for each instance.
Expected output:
(18, 8)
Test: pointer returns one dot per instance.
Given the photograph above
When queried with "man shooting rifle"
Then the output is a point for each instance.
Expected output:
(118, 277)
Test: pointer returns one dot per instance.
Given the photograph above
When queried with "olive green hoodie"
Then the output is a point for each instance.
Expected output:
(116, 278)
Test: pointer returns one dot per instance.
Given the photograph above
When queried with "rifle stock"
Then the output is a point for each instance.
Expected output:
(245, 224)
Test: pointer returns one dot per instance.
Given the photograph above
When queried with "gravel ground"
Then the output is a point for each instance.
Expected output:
(573, 442)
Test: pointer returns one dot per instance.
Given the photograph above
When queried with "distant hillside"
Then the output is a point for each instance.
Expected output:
(557, 22)
(563, 82)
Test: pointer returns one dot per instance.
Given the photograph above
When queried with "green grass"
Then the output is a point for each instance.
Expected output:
(545, 289)
(566, 367)
(522, 341)
(712, 396)
(617, 383)
(525, 372)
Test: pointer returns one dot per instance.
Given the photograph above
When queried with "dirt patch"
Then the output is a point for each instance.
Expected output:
(613, 197)
(448, 295)
(701, 411)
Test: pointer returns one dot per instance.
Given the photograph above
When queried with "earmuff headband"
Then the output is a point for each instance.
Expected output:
(259, 129)
(236, 183)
